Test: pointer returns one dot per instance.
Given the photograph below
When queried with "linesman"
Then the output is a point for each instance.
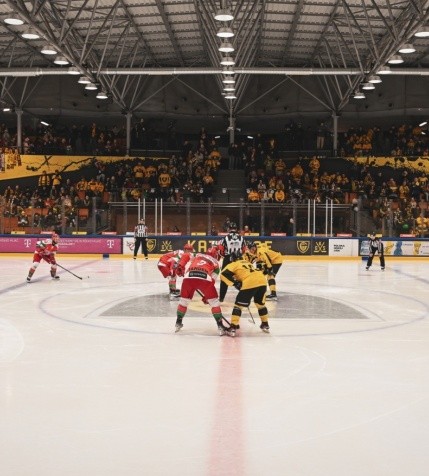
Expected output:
(140, 238)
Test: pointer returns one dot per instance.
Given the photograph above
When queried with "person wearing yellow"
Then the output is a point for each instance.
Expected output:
(251, 284)
(269, 261)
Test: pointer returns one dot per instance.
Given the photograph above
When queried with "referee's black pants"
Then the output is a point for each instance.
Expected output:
(224, 287)
(143, 242)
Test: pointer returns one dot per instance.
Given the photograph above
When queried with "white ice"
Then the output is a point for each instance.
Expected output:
(95, 382)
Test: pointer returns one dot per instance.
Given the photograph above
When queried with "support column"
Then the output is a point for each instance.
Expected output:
(335, 134)
(19, 129)
(128, 129)
(231, 130)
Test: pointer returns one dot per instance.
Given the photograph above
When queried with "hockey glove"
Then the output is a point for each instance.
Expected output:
(237, 285)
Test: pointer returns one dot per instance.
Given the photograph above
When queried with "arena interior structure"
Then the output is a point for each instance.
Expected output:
(238, 68)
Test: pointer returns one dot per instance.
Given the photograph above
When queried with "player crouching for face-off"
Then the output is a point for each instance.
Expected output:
(199, 275)
(251, 284)
(167, 265)
(46, 251)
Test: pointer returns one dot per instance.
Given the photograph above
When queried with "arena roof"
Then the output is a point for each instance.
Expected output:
(161, 56)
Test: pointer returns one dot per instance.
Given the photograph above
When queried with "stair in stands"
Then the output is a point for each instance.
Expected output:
(234, 182)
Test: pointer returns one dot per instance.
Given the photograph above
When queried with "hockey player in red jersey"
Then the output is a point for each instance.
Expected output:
(46, 251)
(199, 275)
(167, 264)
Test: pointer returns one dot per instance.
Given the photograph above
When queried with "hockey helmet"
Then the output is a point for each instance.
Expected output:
(213, 252)
(251, 245)
(232, 226)
(188, 247)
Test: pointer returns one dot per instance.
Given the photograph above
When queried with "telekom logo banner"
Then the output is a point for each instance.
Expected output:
(72, 245)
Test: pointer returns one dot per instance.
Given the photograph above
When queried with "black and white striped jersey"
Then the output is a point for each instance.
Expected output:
(140, 231)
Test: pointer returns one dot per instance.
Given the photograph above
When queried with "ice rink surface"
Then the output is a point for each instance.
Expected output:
(95, 382)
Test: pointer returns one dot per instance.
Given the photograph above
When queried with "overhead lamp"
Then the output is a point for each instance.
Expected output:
(227, 61)
(395, 59)
(226, 47)
(229, 88)
(423, 123)
(374, 79)
(228, 71)
(48, 50)
(230, 96)
(368, 86)
(30, 34)
(13, 20)
(224, 14)
(407, 48)
(228, 80)
(359, 95)
(61, 60)
(423, 32)
(84, 80)
(73, 70)
(102, 95)
(384, 70)
(91, 87)
(225, 32)
(44, 123)
(7, 109)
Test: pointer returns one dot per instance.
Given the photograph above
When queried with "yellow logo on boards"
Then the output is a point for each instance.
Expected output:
(151, 244)
(303, 246)
(388, 248)
(320, 247)
(417, 245)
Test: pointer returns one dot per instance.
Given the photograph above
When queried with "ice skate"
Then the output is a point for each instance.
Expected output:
(232, 330)
(179, 324)
(265, 327)
(174, 294)
(271, 297)
(221, 328)
(55, 277)
(28, 279)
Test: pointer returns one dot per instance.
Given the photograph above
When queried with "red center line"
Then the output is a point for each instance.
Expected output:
(227, 455)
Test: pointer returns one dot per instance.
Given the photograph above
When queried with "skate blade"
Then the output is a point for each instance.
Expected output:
(267, 331)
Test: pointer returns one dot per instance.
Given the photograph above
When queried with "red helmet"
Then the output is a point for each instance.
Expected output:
(213, 252)
(188, 247)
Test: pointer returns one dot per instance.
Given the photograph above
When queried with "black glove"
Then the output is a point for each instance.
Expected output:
(237, 285)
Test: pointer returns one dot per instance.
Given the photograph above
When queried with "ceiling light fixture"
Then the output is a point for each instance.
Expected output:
(227, 61)
(229, 88)
(13, 20)
(61, 61)
(359, 95)
(48, 50)
(225, 32)
(423, 32)
(228, 80)
(44, 123)
(423, 123)
(395, 59)
(30, 34)
(91, 87)
(407, 49)
(228, 71)
(102, 95)
(230, 96)
(374, 79)
(384, 70)
(226, 47)
(368, 86)
(84, 80)
(73, 70)
(224, 14)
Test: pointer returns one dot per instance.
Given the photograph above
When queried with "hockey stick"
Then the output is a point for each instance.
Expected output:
(251, 315)
(224, 318)
(68, 271)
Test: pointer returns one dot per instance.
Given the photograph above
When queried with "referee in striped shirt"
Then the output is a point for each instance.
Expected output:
(140, 238)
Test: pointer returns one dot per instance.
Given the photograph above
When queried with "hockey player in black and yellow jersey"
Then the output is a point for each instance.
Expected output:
(269, 261)
(251, 284)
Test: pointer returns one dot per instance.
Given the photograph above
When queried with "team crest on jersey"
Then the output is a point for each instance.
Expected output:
(303, 246)
(151, 244)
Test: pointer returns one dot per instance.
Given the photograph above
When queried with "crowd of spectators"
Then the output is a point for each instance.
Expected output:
(192, 173)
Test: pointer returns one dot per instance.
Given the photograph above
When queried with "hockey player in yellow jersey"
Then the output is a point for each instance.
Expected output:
(251, 284)
(269, 261)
